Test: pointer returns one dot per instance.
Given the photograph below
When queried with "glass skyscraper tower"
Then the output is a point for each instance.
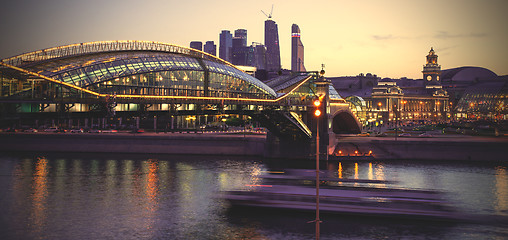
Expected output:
(272, 46)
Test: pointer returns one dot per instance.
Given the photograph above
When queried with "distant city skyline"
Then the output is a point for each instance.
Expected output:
(388, 38)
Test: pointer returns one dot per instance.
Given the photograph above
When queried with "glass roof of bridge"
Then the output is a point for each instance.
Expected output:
(91, 68)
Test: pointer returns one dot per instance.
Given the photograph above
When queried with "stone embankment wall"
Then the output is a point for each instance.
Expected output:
(469, 150)
(134, 143)
(460, 149)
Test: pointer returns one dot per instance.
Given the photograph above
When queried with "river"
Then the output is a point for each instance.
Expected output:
(92, 196)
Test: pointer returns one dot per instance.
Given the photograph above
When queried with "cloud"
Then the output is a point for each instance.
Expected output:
(444, 51)
(447, 35)
(383, 37)
(387, 37)
(446, 48)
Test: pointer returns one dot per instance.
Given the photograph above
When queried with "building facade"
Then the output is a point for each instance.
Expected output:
(225, 45)
(259, 56)
(238, 52)
(210, 48)
(242, 34)
(198, 45)
(272, 46)
(297, 50)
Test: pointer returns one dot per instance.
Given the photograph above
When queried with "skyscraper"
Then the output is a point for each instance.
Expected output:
(272, 46)
(296, 50)
(210, 48)
(239, 52)
(242, 33)
(225, 44)
(197, 45)
(259, 60)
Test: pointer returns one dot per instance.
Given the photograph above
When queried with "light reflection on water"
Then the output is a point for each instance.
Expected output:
(501, 203)
(94, 198)
(39, 194)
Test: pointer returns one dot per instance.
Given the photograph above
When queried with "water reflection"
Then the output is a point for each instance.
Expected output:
(103, 198)
(370, 175)
(356, 171)
(501, 191)
(152, 189)
(151, 168)
(340, 170)
(380, 175)
(40, 193)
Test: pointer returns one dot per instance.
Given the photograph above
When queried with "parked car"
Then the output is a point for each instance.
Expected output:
(404, 135)
(139, 130)
(94, 131)
(51, 129)
(31, 130)
(109, 131)
(425, 135)
(76, 130)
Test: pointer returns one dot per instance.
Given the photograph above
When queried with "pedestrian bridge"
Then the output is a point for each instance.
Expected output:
(152, 80)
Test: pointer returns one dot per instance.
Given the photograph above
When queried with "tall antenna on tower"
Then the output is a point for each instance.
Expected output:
(268, 15)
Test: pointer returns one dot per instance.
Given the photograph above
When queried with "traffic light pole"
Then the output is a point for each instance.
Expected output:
(317, 113)
(317, 181)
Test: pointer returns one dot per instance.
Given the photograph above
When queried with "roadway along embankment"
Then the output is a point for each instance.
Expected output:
(200, 144)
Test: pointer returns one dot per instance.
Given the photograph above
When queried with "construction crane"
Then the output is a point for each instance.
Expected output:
(268, 15)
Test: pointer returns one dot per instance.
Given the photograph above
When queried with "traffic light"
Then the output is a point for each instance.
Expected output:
(317, 105)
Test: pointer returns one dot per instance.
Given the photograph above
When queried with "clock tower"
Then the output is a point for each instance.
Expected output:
(431, 71)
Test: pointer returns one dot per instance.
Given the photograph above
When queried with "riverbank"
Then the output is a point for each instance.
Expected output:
(163, 143)
(442, 147)
(349, 147)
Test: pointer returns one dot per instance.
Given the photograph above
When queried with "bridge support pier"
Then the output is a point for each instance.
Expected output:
(276, 147)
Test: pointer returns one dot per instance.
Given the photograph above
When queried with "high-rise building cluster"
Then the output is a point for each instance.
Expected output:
(234, 49)
(264, 57)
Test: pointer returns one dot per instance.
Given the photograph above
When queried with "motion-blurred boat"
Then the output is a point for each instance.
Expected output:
(356, 196)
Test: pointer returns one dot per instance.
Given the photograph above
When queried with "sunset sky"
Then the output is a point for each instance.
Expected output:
(389, 38)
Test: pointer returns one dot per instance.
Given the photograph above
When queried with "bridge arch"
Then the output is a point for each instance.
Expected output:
(344, 121)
